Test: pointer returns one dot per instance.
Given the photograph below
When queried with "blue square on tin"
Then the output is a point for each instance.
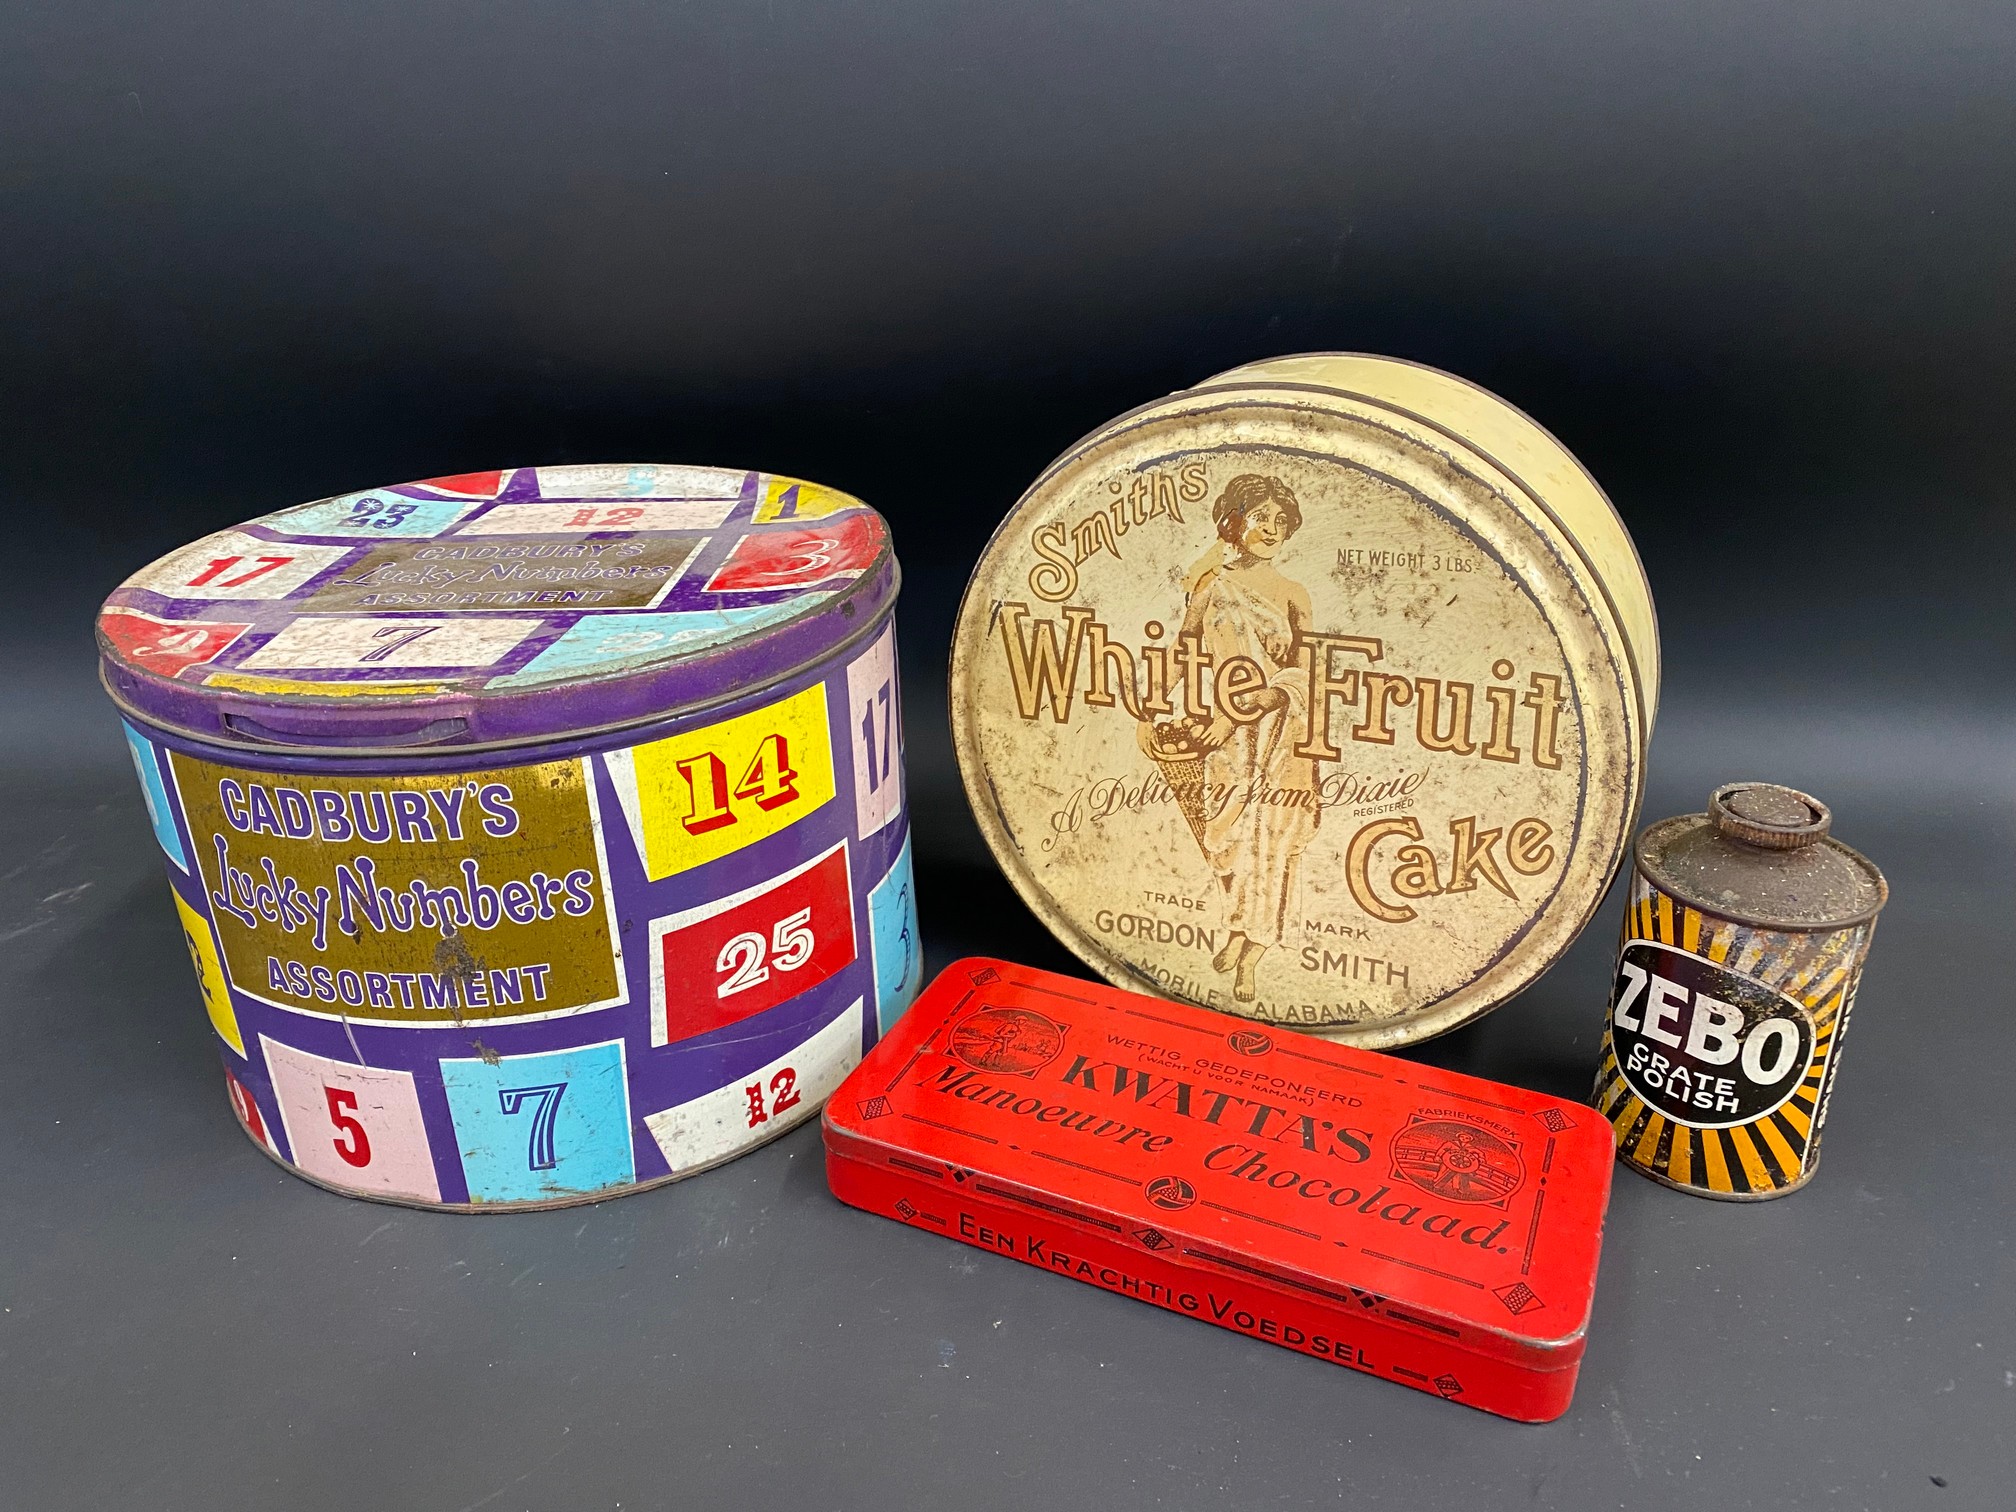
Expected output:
(591, 646)
(533, 1127)
(373, 515)
(892, 940)
(155, 793)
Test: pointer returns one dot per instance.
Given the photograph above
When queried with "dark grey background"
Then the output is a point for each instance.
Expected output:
(1753, 263)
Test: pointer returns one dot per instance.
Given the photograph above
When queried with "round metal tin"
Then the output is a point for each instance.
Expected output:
(1318, 693)
(538, 835)
(1742, 950)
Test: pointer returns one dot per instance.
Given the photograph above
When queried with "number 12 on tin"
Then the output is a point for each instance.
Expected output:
(783, 1095)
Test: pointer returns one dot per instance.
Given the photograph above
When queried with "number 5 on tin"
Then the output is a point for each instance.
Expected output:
(353, 1126)
(353, 1145)
(875, 717)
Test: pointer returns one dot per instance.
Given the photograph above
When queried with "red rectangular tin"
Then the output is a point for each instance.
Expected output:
(1409, 1223)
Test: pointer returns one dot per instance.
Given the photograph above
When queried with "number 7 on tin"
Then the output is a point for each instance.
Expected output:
(539, 1154)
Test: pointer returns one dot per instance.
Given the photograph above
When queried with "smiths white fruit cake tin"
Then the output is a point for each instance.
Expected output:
(1318, 693)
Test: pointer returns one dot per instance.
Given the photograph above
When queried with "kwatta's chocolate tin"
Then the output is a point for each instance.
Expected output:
(1318, 693)
(1743, 946)
(538, 835)
(1412, 1225)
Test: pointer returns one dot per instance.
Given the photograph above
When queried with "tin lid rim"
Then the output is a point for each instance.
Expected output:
(881, 582)
(1660, 879)
(1375, 1035)
(1656, 650)
(1647, 707)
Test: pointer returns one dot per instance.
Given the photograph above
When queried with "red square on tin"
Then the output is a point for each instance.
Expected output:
(168, 647)
(767, 559)
(1431, 1229)
(739, 955)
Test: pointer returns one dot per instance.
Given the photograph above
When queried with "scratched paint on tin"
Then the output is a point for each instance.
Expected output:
(430, 973)
(408, 900)
(1284, 703)
(605, 570)
(534, 1127)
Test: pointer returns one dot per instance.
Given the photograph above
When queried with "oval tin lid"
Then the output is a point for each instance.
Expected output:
(1293, 703)
(494, 608)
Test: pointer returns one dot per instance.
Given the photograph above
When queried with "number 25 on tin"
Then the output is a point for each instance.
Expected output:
(747, 959)
(722, 961)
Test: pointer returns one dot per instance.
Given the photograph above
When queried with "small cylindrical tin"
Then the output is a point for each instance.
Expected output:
(1742, 948)
(537, 835)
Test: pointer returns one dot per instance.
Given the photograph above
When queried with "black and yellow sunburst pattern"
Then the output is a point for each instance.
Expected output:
(1771, 1154)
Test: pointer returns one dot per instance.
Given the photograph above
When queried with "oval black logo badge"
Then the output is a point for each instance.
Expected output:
(1700, 1043)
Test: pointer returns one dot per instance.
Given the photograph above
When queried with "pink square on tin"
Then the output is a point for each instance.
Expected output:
(353, 1126)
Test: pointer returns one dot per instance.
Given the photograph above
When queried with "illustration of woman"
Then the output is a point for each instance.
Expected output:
(1261, 797)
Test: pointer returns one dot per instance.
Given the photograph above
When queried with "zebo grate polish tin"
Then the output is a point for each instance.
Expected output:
(1743, 946)
(538, 835)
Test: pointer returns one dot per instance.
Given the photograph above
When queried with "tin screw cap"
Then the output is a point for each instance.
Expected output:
(1768, 816)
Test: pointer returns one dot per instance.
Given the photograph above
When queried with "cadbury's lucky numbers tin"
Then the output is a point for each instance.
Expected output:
(537, 835)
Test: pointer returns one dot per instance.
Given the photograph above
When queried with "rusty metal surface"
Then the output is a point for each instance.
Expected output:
(1823, 884)
(1742, 950)
(1288, 703)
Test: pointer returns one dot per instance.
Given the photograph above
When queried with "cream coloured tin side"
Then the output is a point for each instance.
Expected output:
(1548, 470)
(1456, 965)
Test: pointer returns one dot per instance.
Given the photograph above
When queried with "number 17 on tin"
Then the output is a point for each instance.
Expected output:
(874, 713)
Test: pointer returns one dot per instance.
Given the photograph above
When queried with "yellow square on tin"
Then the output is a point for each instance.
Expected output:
(697, 796)
(210, 973)
(792, 499)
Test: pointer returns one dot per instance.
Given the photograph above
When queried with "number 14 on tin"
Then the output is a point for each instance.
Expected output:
(768, 781)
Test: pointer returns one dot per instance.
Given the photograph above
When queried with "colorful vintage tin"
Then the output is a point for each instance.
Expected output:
(1411, 1224)
(1743, 946)
(1318, 693)
(538, 835)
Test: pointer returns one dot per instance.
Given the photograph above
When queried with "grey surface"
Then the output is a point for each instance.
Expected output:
(186, 1326)
(1750, 262)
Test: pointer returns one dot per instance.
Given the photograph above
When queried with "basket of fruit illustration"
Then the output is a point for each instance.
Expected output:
(1177, 747)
